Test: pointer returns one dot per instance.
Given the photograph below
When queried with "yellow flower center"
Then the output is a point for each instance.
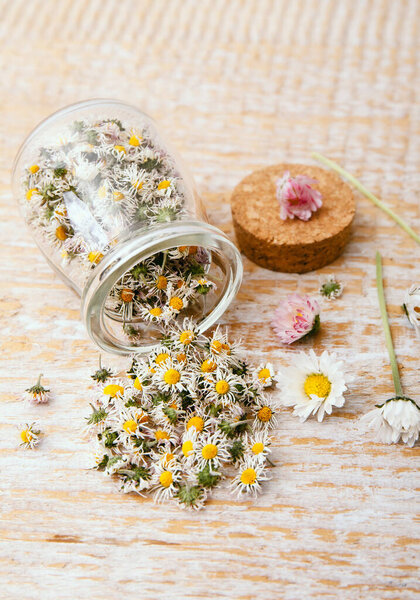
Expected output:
(166, 478)
(168, 457)
(317, 384)
(191, 249)
(118, 196)
(264, 414)
(187, 448)
(137, 184)
(34, 168)
(112, 390)
(160, 358)
(142, 417)
(120, 149)
(161, 282)
(61, 233)
(95, 257)
(172, 376)
(222, 387)
(249, 476)
(181, 357)
(196, 422)
(216, 346)
(26, 436)
(176, 303)
(127, 295)
(208, 366)
(209, 451)
(30, 193)
(155, 312)
(264, 374)
(137, 384)
(130, 426)
(257, 448)
(163, 185)
(160, 434)
(134, 140)
(186, 337)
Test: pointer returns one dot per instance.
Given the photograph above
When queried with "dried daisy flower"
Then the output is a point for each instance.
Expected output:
(398, 417)
(411, 307)
(187, 415)
(313, 385)
(248, 480)
(102, 374)
(296, 196)
(331, 289)
(37, 394)
(29, 435)
(295, 318)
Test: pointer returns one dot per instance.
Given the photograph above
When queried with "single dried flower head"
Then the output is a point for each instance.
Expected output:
(295, 318)
(37, 394)
(296, 196)
(330, 288)
(411, 307)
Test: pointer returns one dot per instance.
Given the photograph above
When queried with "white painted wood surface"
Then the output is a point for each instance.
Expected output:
(235, 85)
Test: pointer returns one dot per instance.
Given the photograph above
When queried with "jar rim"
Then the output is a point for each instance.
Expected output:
(140, 245)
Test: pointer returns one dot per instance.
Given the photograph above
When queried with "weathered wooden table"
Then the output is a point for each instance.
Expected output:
(235, 86)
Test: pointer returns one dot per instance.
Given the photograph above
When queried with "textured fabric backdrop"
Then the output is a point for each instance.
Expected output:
(235, 85)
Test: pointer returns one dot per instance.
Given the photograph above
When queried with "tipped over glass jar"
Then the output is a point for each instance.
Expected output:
(117, 216)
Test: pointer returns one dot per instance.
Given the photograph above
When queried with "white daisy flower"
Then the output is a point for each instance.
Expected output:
(264, 411)
(223, 352)
(258, 445)
(395, 419)
(411, 307)
(250, 475)
(330, 288)
(314, 385)
(115, 463)
(189, 444)
(186, 335)
(37, 394)
(265, 374)
(182, 252)
(170, 376)
(30, 435)
(165, 480)
(211, 450)
(223, 387)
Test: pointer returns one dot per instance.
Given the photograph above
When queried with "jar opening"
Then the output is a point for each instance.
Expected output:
(179, 270)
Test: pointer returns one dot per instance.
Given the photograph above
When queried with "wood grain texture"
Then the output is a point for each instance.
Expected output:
(236, 86)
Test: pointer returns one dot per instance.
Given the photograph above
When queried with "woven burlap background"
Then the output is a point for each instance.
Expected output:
(235, 84)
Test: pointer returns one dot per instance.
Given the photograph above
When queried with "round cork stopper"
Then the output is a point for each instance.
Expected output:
(292, 246)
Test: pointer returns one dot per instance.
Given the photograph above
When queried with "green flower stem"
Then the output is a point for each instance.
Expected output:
(387, 330)
(335, 167)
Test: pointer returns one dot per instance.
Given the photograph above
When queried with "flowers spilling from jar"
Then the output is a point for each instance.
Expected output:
(297, 196)
(184, 418)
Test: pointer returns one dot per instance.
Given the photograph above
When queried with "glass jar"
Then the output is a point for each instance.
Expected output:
(117, 216)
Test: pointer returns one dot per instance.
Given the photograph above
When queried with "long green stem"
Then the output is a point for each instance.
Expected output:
(335, 167)
(387, 330)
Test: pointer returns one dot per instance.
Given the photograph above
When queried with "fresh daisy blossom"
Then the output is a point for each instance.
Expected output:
(296, 317)
(296, 196)
(330, 289)
(314, 385)
(395, 419)
(411, 307)
(37, 394)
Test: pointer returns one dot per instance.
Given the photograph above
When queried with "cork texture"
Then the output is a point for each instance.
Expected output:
(291, 245)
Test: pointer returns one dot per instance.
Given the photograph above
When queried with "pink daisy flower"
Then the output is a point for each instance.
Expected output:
(296, 196)
(296, 317)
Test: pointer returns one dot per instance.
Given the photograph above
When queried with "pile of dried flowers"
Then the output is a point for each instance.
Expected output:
(103, 178)
(183, 418)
